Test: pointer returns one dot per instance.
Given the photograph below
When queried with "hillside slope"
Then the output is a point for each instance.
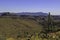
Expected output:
(11, 27)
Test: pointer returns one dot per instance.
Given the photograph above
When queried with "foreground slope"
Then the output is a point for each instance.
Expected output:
(11, 27)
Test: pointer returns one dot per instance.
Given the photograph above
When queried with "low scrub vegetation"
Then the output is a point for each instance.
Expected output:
(17, 28)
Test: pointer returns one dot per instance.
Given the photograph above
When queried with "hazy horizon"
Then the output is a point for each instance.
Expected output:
(30, 6)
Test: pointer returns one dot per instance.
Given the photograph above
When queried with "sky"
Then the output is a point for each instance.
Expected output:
(52, 6)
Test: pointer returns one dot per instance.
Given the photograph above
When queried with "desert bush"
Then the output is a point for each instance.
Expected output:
(2, 37)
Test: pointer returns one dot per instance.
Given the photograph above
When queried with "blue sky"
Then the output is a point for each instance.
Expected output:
(52, 6)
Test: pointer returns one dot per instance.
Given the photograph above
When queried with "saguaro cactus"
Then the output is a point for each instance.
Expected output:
(50, 23)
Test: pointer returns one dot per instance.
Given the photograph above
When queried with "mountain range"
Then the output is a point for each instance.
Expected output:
(32, 13)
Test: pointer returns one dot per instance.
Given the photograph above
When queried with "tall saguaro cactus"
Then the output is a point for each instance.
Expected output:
(50, 23)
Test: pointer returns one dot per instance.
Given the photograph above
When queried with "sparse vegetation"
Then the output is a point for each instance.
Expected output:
(18, 28)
